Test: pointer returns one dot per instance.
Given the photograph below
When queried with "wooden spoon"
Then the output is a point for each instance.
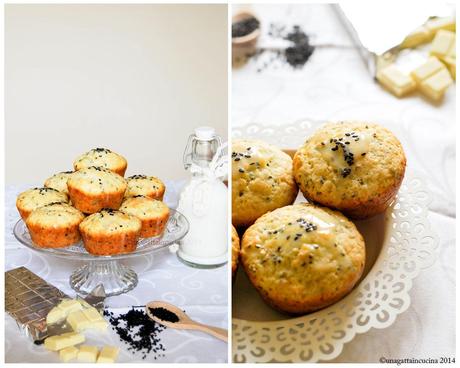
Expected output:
(185, 322)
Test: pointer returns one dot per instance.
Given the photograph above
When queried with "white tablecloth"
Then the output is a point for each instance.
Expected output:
(201, 293)
(333, 85)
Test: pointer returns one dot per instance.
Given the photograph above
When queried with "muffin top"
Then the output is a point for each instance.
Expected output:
(37, 197)
(347, 161)
(235, 249)
(262, 180)
(144, 207)
(111, 222)
(55, 214)
(59, 181)
(101, 157)
(97, 180)
(303, 251)
(143, 185)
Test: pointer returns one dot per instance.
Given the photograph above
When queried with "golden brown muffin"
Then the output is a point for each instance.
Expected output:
(110, 232)
(153, 214)
(303, 257)
(94, 188)
(37, 197)
(54, 225)
(262, 180)
(354, 167)
(59, 181)
(235, 250)
(102, 157)
(145, 185)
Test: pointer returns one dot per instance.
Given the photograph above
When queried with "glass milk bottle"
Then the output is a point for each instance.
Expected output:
(204, 201)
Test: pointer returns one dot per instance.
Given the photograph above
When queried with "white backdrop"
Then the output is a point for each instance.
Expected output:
(133, 78)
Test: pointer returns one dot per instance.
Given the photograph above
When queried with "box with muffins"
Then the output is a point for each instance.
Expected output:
(96, 215)
(320, 237)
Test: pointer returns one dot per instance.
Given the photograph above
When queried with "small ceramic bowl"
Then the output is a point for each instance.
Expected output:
(245, 44)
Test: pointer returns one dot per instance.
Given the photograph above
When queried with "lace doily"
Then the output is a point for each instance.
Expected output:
(409, 246)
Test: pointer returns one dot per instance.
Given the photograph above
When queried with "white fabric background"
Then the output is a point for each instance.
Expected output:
(201, 293)
(335, 85)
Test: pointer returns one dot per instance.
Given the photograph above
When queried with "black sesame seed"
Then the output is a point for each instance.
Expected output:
(138, 331)
(164, 314)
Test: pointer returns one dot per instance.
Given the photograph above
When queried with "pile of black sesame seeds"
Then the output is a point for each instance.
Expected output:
(138, 331)
(295, 56)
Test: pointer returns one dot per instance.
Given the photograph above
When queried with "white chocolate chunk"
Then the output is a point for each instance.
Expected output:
(108, 354)
(59, 342)
(69, 305)
(78, 321)
(68, 353)
(451, 65)
(447, 23)
(435, 86)
(432, 66)
(87, 354)
(396, 81)
(417, 37)
(55, 315)
(92, 314)
(442, 43)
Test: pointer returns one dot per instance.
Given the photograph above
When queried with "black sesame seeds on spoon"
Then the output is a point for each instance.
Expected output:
(164, 314)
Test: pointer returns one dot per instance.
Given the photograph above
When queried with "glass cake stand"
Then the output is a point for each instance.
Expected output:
(107, 270)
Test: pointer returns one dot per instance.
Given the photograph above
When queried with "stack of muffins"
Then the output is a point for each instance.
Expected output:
(97, 204)
(306, 256)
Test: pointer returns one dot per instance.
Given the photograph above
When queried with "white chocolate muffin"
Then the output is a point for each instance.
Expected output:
(110, 232)
(54, 225)
(303, 257)
(153, 214)
(102, 157)
(262, 180)
(37, 197)
(59, 181)
(145, 185)
(354, 167)
(94, 188)
(235, 250)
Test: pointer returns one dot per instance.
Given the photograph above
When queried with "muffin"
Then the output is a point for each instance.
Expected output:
(94, 188)
(59, 181)
(110, 232)
(102, 157)
(303, 257)
(145, 185)
(37, 197)
(54, 225)
(354, 167)
(153, 214)
(235, 250)
(262, 180)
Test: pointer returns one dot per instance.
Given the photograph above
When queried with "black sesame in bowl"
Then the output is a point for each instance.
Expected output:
(243, 27)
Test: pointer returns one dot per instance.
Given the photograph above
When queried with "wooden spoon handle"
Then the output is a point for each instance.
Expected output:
(220, 333)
